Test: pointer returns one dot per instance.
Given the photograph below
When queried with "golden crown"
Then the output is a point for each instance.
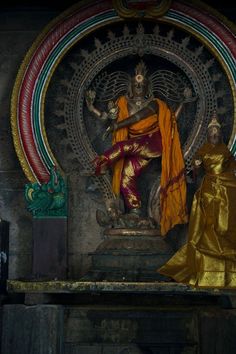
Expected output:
(141, 69)
(214, 121)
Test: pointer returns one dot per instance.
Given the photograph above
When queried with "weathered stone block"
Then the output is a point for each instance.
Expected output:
(50, 248)
(217, 331)
(116, 326)
(84, 349)
(32, 330)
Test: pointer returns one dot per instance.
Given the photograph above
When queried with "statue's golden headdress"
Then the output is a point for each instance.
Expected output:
(214, 121)
(140, 72)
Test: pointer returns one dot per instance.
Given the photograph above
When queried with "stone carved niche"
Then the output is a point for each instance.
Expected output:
(75, 135)
(120, 47)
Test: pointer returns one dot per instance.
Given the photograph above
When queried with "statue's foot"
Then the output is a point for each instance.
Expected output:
(146, 223)
(134, 219)
(100, 164)
(131, 219)
(135, 212)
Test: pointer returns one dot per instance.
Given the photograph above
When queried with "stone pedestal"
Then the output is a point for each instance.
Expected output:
(130, 255)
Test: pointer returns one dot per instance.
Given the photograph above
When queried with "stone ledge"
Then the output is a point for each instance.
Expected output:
(69, 286)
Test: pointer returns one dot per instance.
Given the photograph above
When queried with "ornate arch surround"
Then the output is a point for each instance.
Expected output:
(28, 98)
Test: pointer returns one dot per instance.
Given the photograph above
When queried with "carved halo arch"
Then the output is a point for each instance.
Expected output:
(36, 71)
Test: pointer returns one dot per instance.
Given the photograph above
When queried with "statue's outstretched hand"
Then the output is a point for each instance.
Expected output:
(90, 96)
(113, 110)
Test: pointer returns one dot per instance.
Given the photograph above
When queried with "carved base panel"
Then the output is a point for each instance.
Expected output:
(132, 232)
(129, 255)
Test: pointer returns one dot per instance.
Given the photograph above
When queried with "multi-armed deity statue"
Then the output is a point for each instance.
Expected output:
(143, 127)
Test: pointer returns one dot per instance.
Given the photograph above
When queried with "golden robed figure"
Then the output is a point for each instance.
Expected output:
(208, 259)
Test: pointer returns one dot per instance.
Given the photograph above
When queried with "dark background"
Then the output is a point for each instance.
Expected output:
(227, 8)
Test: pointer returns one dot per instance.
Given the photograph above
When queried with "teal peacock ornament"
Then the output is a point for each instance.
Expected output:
(47, 199)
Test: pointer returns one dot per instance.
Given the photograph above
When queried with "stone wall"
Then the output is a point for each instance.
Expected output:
(56, 329)
(18, 30)
(19, 27)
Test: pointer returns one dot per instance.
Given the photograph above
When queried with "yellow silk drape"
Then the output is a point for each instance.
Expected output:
(208, 259)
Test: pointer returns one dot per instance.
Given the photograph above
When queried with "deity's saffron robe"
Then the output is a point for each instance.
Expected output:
(173, 184)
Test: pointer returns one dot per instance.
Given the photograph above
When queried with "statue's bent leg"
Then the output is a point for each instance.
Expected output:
(133, 166)
(146, 146)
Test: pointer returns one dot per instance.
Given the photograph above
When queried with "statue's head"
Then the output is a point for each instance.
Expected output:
(139, 84)
(214, 130)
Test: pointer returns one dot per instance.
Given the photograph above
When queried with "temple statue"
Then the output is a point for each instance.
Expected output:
(208, 259)
(143, 127)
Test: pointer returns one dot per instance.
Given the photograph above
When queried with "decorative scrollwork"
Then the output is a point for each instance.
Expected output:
(188, 68)
(131, 9)
(163, 82)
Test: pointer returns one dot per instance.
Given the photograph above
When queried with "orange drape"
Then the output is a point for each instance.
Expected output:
(173, 186)
(119, 135)
(173, 183)
(145, 126)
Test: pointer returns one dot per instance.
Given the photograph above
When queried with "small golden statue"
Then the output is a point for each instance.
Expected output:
(208, 259)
